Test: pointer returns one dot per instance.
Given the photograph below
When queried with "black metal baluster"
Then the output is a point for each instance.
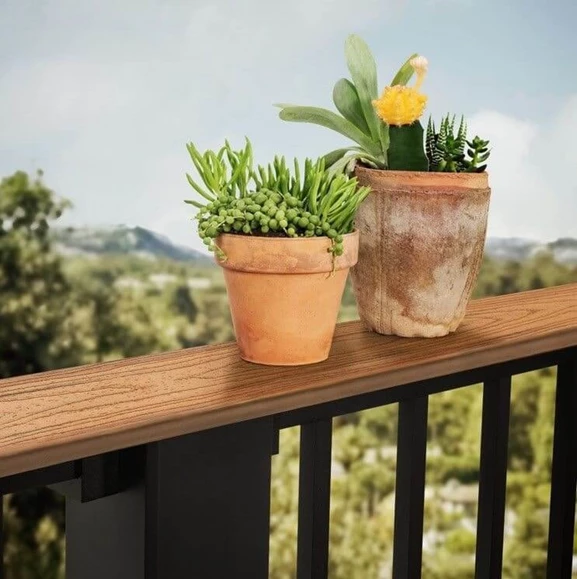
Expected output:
(314, 500)
(200, 509)
(410, 488)
(493, 478)
(564, 473)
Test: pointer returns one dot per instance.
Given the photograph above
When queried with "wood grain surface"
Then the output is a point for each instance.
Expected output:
(67, 414)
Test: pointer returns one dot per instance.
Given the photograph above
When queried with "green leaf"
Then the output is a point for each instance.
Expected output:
(406, 152)
(330, 120)
(194, 203)
(331, 158)
(384, 140)
(347, 101)
(342, 164)
(363, 69)
(405, 72)
(283, 105)
(199, 189)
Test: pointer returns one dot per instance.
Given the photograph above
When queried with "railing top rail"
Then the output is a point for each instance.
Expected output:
(63, 415)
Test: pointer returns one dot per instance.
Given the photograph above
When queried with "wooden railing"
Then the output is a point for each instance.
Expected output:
(165, 460)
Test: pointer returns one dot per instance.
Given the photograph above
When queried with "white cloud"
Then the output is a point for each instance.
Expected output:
(58, 96)
(450, 4)
(531, 172)
(103, 96)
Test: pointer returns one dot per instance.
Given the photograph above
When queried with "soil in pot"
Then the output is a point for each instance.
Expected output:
(422, 237)
(284, 295)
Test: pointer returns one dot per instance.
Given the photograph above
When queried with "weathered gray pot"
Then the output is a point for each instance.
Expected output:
(421, 243)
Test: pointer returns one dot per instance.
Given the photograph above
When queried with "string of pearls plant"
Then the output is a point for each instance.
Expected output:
(271, 200)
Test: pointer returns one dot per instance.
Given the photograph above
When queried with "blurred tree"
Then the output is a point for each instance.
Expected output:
(34, 293)
(35, 310)
(112, 324)
(284, 506)
(33, 551)
(182, 304)
(525, 394)
(526, 554)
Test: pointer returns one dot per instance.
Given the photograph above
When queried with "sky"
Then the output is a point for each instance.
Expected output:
(103, 96)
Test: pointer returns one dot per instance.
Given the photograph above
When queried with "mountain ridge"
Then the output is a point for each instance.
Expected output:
(563, 249)
(123, 240)
(140, 241)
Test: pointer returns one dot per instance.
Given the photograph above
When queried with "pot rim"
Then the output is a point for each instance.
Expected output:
(278, 255)
(424, 182)
(438, 174)
(316, 238)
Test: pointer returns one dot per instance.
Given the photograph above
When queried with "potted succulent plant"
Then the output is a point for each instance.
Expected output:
(422, 228)
(286, 241)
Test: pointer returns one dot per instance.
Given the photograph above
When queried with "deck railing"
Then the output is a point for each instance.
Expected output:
(165, 460)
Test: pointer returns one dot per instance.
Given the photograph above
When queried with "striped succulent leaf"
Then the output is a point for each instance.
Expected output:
(430, 142)
(450, 151)
(462, 135)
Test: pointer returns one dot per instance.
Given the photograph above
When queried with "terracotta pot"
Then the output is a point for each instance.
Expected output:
(284, 301)
(422, 237)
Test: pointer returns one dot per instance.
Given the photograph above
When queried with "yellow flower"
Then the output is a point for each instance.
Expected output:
(400, 105)
(403, 105)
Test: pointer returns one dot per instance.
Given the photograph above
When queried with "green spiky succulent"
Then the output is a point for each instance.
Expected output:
(238, 197)
(358, 119)
(451, 152)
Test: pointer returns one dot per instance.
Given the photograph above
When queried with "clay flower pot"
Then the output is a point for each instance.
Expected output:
(422, 236)
(283, 299)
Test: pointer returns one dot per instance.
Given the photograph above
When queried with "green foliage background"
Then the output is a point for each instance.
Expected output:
(61, 311)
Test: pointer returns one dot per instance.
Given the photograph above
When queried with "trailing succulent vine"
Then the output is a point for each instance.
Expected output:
(273, 200)
(386, 129)
(448, 151)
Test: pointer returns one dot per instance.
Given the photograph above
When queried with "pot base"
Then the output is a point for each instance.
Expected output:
(283, 363)
(394, 323)
(411, 331)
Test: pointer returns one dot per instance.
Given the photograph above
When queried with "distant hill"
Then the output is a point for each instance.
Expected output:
(123, 240)
(564, 250)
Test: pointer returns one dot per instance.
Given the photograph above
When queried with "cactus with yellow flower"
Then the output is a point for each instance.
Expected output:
(422, 227)
(387, 128)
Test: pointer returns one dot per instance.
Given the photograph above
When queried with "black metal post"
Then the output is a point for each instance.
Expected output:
(564, 473)
(314, 500)
(493, 478)
(40, 477)
(410, 488)
(201, 510)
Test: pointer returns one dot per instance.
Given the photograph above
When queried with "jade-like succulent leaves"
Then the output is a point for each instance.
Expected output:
(452, 152)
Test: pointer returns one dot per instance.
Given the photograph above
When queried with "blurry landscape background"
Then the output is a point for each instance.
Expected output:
(103, 97)
(71, 296)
